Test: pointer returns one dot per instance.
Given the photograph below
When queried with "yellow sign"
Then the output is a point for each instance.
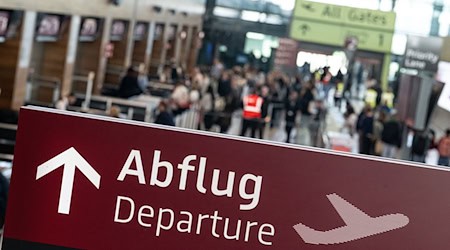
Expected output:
(342, 15)
(329, 34)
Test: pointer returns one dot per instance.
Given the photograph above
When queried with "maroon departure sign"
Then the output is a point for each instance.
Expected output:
(82, 182)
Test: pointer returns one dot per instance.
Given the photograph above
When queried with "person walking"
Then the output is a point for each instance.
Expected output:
(359, 123)
(307, 97)
(292, 108)
(315, 126)
(367, 133)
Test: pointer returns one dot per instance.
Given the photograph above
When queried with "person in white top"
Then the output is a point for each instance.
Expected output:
(350, 120)
(65, 101)
(181, 99)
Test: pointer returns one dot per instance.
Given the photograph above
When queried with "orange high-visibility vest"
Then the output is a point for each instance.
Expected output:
(252, 107)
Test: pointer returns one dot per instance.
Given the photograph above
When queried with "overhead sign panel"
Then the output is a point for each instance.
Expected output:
(315, 32)
(343, 15)
(95, 183)
(332, 24)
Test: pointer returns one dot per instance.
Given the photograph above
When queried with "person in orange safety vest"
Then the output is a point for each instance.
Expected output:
(252, 111)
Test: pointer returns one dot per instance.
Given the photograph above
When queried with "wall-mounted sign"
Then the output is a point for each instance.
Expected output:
(90, 28)
(172, 32)
(49, 27)
(118, 30)
(423, 53)
(286, 53)
(159, 30)
(10, 20)
(140, 30)
(4, 22)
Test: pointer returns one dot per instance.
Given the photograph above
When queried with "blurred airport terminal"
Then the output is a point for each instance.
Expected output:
(361, 76)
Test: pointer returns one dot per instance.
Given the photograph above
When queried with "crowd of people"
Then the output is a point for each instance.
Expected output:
(276, 100)
(381, 133)
(262, 99)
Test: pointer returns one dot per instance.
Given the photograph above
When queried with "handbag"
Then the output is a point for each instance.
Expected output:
(378, 147)
(219, 104)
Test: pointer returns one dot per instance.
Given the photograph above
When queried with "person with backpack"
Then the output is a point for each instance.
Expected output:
(391, 137)
(421, 144)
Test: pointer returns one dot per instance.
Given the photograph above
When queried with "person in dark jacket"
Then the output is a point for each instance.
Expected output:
(164, 116)
(129, 86)
(292, 108)
(391, 137)
(420, 145)
(264, 111)
(367, 146)
(359, 123)
(307, 96)
(224, 88)
(232, 103)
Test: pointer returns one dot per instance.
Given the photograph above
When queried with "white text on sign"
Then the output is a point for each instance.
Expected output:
(166, 219)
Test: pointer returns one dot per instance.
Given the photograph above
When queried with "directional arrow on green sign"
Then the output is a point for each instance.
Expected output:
(331, 24)
(329, 34)
(316, 32)
(308, 7)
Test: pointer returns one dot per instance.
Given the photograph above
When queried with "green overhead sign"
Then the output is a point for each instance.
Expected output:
(332, 24)
(342, 15)
(371, 40)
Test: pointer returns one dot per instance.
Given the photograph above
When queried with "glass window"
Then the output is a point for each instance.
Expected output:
(444, 20)
(225, 12)
(413, 17)
(251, 16)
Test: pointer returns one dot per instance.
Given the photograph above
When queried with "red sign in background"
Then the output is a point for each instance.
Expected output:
(325, 193)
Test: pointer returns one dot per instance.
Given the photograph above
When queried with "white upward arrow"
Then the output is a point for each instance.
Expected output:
(71, 160)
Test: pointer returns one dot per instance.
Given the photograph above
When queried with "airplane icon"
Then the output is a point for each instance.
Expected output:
(358, 225)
